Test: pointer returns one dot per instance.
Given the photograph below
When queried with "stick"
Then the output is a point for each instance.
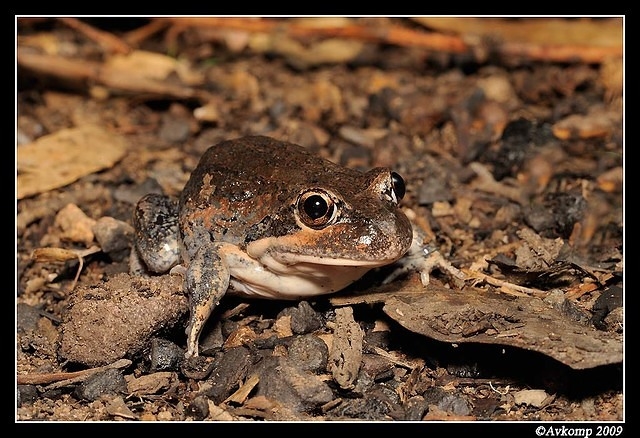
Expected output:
(73, 377)
(108, 41)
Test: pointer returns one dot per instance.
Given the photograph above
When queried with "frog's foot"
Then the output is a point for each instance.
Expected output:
(206, 280)
(425, 259)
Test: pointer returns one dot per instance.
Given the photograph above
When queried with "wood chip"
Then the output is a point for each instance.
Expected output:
(150, 383)
(117, 407)
(345, 355)
(243, 392)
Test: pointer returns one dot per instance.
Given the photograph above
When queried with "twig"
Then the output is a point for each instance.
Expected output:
(70, 377)
(392, 34)
(108, 41)
(63, 255)
(398, 361)
(487, 183)
(137, 36)
(559, 53)
(506, 390)
(402, 36)
(85, 72)
(506, 287)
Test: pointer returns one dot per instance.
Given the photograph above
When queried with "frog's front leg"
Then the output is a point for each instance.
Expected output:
(155, 221)
(424, 259)
(206, 281)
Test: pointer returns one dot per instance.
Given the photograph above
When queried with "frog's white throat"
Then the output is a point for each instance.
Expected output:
(272, 274)
(292, 282)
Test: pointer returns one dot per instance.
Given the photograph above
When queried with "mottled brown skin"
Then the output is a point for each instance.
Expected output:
(242, 204)
(242, 223)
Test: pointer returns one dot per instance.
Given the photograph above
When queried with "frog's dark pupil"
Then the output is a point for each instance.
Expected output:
(315, 206)
(398, 185)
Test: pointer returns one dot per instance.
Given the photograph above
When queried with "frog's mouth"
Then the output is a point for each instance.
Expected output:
(297, 259)
(274, 251)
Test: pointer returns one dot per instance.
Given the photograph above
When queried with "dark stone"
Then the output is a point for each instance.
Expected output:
(375, 405)
(282, 381)
(447, 402)
(165, 355)
(109, 381)
(609, 299)
(174, 129)
(556, 215)
(455, 405)
(380, 339)
(197, 368)
(114, 236)
(309, 353)
(211, 339)
(377, 366)
(27, 394)
(227, 371)
(434, 189)
(304, 319)
(198, 409)
(415, 408)
(27, 317)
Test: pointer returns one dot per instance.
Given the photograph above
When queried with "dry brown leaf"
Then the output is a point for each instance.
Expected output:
(74, 225)
(612, 180)
(47, 42)
(474, 315)
(63, 157)
(243, 336)
(329, 51)
(141, 63)
(531, 397)
(153, 66)
(524, 322)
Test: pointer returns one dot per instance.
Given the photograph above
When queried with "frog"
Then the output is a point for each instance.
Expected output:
(265, 218)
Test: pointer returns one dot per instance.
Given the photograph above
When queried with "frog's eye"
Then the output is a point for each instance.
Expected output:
(398, 187)
(316, 209)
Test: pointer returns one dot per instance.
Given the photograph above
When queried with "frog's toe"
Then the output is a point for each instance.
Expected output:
(434, 260)
(425, 261)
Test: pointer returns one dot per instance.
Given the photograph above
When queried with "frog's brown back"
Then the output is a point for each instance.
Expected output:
(242, 182)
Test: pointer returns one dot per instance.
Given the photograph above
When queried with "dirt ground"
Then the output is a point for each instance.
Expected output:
(507, 132)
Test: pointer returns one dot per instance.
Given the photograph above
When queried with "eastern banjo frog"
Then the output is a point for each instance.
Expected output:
(267, 218)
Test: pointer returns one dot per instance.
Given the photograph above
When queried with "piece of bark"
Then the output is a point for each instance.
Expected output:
(345, 356)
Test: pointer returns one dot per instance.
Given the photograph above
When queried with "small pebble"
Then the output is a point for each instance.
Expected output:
(109, 381)
(309, 353)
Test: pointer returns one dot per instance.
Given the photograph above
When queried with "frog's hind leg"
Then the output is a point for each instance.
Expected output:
(206, 280)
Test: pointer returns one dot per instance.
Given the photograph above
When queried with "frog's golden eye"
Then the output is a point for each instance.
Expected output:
(316, 209)
(398, 186)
